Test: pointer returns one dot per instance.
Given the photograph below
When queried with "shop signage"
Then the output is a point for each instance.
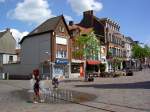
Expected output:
(61, 61)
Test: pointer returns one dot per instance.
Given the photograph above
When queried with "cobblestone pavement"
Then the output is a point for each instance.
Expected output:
(123, 94)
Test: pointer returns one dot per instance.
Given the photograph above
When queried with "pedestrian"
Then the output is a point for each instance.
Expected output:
(37, 91)
(55, 82)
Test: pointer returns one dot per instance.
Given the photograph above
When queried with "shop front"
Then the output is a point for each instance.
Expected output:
(92, 67)
(61, 68)
(77, 69)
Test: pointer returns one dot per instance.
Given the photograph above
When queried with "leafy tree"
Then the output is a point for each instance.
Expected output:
(140, 52)
(102, 67)
(88, 46)
(116, 63)
(147, 50)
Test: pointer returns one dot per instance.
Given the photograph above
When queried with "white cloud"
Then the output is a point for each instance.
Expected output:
(32, 11)
(68, 18)
(2, 0)
(80, 6)
(17, 34)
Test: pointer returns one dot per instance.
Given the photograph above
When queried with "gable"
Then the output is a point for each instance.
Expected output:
(7, 43)
(47, 26)
(62, 28)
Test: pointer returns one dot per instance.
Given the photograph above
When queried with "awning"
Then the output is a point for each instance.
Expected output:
(93, 62)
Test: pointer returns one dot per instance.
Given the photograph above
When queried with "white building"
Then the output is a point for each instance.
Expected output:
(128, 47)
(7, 48)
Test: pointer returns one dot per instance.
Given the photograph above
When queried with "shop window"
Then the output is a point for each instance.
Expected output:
(58, 71)
(75, 68)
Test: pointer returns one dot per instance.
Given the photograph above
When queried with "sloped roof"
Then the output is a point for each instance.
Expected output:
(48, 25)
(83, 30)
(74, 26)
(130, 39)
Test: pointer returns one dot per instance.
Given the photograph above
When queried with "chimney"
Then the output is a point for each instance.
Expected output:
(71, 23)
(87, 20)
(88, 13)
(7, 29)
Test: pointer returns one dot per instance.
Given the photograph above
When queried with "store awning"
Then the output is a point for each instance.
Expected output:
(93, 62)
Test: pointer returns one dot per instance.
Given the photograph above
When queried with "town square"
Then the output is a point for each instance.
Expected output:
(74, 56)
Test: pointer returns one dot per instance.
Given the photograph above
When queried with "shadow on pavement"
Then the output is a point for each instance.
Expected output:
(137, 85)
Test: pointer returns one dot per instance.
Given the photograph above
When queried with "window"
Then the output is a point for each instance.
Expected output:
(61, 54)
(75, 68)
(60, 40)
(10, 58)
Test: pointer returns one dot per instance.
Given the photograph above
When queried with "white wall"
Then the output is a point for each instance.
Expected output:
(6, 58)
(128, 48)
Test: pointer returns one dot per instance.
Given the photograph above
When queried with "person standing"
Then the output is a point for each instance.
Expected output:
(37, 91)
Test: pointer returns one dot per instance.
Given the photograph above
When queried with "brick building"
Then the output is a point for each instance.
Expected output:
(46, 48)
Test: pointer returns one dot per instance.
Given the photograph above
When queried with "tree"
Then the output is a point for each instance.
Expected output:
(102, 67)
(141, 52)
(147, 50)
(88, 46)
(138, 52)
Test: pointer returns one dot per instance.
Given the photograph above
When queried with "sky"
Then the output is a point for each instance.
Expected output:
(22, 16)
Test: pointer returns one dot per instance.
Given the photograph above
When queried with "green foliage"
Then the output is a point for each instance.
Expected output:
(89, 46)
(102, 67)
(109, 53)
(116, 63)
(140, 52)
(147, 51)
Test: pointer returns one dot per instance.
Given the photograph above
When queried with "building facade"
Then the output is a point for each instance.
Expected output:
(50, 51)
(50, 47)
(45, 48)
(128, 47)
(79, 63)
(7, 48)
(114, 42)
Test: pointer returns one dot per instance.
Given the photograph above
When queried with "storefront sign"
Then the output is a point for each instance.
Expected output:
(61, 61)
